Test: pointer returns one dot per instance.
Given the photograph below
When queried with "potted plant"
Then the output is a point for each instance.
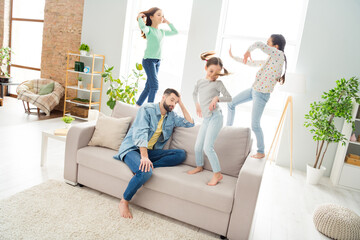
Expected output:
(80, 82)
(84, 49)
(336, 103)
(5, 62)
(124, 89)
(68, 120)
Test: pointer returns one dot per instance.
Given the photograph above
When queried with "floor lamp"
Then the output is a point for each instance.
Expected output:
(294, 84)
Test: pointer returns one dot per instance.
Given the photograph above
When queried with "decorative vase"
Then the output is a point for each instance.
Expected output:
(67, 125)
(83, 52)
(313, 175)
(353, 138)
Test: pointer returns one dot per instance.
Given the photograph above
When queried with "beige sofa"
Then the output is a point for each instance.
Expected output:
(226, 209)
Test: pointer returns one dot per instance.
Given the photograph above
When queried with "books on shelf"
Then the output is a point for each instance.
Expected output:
(61, 132)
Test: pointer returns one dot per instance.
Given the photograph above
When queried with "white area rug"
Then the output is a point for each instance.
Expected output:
(56, 210)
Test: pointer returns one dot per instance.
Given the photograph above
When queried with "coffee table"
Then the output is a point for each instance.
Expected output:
(46, 134)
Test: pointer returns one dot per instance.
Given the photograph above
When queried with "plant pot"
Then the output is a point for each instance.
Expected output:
(4, 79)
(313, 175)
(67, 125)
(83, 52)
(80, 84)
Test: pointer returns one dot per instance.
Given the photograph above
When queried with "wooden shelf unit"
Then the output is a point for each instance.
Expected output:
(95, 77)
(343, 174)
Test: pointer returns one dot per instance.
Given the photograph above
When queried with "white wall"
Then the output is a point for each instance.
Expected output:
(103, 30)
(329, 50)
(203, 33)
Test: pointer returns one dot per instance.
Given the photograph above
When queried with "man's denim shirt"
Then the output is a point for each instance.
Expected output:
(144, 127)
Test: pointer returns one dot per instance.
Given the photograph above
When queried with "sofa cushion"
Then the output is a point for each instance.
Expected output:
(176, 182)
(124, 110)
(173, 181)
(110, 132)
(46, 89)
(232, 146)
(101, 159)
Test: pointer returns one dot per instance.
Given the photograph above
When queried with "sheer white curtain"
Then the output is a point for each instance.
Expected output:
(174, 47)
(245, 22)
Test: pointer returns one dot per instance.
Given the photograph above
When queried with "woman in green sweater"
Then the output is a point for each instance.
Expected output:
(151, 61)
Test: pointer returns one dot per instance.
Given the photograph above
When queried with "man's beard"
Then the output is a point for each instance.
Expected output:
(167, 107)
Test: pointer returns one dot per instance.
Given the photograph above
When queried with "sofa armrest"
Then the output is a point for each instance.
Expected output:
(246, 193)
(78, 137)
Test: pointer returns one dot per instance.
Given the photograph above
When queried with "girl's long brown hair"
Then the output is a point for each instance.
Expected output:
(148, 22)
(207, 56)
(278, 39)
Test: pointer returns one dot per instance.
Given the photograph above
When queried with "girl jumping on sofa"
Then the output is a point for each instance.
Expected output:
(206, 97)
(265, 80)
(151, 61)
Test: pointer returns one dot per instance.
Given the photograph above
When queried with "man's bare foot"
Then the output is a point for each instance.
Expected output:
(195, 170)
(124, 209)
(137, 106)
(215, 179)
(258, 155)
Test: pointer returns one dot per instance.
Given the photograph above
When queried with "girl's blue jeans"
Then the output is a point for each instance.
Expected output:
(151, 67)
(259, 102)
(205, 140)
(159, 158)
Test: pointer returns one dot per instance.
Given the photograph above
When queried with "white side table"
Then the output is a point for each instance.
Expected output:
(45, 135)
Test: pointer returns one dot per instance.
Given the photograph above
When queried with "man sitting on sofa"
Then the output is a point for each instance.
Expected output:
(142, 148)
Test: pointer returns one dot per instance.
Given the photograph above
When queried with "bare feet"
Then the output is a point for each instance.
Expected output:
(195, 170)
(215, 179)
(124, 209)
(258, 155)
(137, 106)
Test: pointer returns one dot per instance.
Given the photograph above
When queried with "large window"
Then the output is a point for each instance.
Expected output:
(174, 47)
(245, 22)
(26, 31)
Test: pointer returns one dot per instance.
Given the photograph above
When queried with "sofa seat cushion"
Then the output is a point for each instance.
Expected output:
(176, 182)
(101, 159)
(173, 181)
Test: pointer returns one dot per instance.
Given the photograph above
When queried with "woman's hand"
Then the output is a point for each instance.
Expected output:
(142, 15)
(213, 103)
(230, 53)
(165, 21)
(246, 56)
(198, 110)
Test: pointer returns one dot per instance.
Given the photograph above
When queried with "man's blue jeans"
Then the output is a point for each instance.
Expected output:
(259, 102)
(151, 67)
(159, 158)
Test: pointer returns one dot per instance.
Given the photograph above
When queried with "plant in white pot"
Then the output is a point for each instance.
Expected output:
(84, 49)
(336, 103)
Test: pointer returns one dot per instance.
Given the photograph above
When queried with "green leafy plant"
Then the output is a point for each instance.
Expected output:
(5, 61)
(124, 89)
(68, 119)
(80, 79)
(84, 47)
(337, 103)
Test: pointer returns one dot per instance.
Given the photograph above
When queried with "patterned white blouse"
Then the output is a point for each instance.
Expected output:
(271, 69)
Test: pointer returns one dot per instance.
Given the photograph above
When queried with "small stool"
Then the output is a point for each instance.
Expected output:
(337, 222)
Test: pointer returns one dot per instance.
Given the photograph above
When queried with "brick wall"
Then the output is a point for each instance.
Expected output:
(62, 33)
(1, 22)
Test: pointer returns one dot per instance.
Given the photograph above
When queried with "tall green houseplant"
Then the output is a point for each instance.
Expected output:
(123, 89)
(336, 103)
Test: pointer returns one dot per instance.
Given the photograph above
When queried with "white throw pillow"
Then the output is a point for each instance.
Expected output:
(110, 132)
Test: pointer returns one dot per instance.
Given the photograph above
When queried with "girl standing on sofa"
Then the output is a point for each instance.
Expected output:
(265, 81)
(208, 89)
(151, 61)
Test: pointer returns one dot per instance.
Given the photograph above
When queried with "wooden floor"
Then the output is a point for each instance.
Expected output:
(285, 204)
